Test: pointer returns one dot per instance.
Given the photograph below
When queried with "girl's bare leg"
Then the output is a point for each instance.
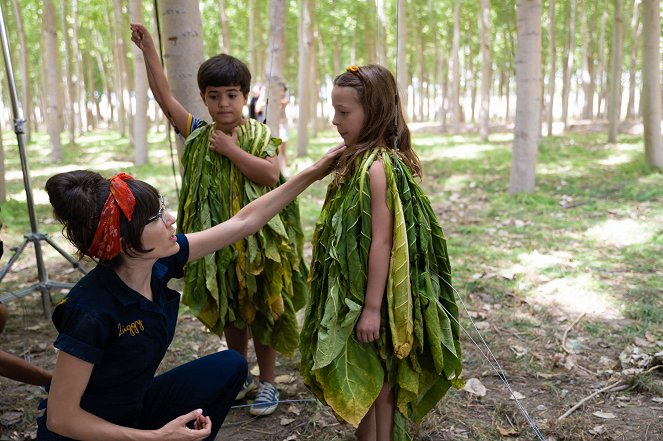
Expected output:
(266, 356)
(237, 339)
(384, 414)
(366, 430)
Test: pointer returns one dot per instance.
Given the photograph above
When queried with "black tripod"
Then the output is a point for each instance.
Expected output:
(44, 285)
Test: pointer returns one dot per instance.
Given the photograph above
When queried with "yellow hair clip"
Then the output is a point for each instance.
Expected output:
(352, 68)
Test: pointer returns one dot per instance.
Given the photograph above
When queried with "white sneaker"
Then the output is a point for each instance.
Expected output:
(267, 400)
(249, 385)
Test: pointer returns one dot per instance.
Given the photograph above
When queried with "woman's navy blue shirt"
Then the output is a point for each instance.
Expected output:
(106, 323)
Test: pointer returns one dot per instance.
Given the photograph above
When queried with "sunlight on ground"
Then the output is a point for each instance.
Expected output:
(576, 295)
(41, 171)
(464, 151)
(457, 182)
(621, 233)
(569, 295)
(616, 159)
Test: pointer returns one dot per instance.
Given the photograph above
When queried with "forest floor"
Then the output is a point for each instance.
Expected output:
(565, 286)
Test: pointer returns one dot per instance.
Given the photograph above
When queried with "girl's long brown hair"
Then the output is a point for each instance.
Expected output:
(377, 91)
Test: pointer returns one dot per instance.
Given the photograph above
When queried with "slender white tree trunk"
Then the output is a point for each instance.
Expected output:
(77, 59)
(635, 39)
(587, 81)
(570, 57)
(69, 95)
(53, 83)
(140, 91)
(528, 97)
(252, 45)
(454, 95)
(275, 61)
(182, 39)
(553, 66)
(486, 69)
(224, 35)
(601, 67)
(402, 74)
(651, 82)
(3, 180)
(382, 26)
(615, 107)
(304, 80)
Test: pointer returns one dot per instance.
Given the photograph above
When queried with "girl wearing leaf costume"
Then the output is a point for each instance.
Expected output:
(255, 287)
(380, 342)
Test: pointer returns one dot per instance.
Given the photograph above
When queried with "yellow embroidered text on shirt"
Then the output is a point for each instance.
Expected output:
(132, 328)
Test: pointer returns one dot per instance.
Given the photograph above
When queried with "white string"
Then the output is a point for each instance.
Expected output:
(496, 365)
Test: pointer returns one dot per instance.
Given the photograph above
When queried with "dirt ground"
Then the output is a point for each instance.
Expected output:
(548, 378)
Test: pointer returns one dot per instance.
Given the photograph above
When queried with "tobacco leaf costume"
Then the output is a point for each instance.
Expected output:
(418, 351)
(259, 281)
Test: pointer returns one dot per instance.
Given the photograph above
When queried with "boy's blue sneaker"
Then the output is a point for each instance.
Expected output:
(249, 385)
(267, 400)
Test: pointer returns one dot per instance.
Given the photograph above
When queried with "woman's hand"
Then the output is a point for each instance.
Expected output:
(221, 143)
(326, 164)
(178, 430)
(368, 325)
(141, 37)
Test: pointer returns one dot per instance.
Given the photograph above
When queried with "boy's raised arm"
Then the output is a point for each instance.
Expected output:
(156, 77)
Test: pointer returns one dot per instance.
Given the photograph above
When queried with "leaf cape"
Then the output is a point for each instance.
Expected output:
(418, 351)
(259, 281)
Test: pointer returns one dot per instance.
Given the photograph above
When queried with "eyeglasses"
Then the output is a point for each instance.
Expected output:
(159, 215)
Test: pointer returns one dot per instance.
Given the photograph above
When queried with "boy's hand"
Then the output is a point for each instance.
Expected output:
(141, 37)
(221, 143)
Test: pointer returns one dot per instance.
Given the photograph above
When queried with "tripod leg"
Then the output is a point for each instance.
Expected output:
(66, 255)
(13, 259)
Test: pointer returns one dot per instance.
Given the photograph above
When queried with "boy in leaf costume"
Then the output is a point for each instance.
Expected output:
(256, 286)
(380, 342)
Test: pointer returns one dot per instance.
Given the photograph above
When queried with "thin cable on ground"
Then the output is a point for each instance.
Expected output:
(494, 364)
(307, 400)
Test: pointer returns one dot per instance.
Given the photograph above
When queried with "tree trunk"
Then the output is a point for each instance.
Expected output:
(69, 94)
(224, 35)
(25, 75)
(122, 70)
(553, 67)
(3, 179)
(614, 109)
(93, 107)
(587, 83)
(275, 60)
(382, 26)
(402, 71)
(304, 80)
(77, 60)
(635, 39)
(528, 97)
(454, 95)
(183, 53)
(601, 67)
(252, 45)
(486, 70)
(568, 70)
(53, 83)
(651, 82)
(140, 91)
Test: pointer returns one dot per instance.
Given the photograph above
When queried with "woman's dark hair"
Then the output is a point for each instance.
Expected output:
(79, 196)
(376, 90)
(224, 71)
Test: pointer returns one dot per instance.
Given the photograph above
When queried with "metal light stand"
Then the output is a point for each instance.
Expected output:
(44, 285)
